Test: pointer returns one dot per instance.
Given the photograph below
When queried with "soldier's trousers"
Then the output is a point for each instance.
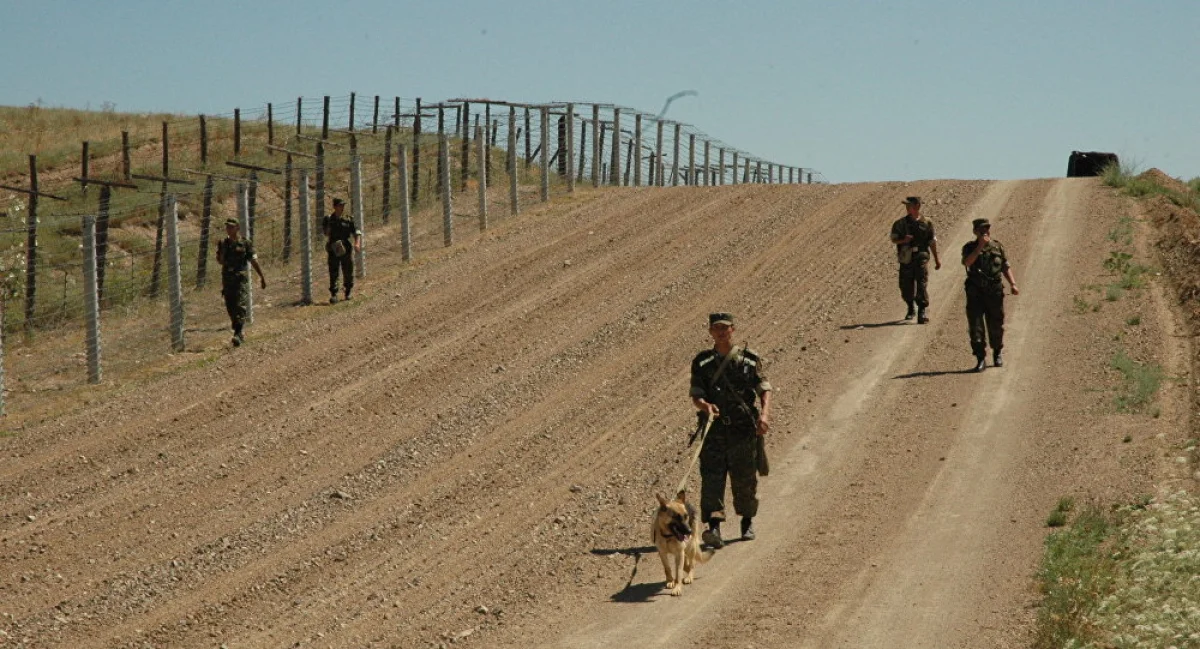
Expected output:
(985, 319)
(344, 264)
(914, 282)
(236, 291)
(734, 452)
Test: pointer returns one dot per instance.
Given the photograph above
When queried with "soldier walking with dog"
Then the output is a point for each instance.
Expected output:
(236, 256)
(341, 240)
(726, 382)
(915, 239)
(986, 264)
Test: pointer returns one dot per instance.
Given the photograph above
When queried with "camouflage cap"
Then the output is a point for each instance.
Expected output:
(981, 223)
(912, 200)
(233, 222)
(338, 201)
(720, 318)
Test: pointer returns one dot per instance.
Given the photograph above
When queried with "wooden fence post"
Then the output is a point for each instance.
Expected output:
(486, 159)
(351, 121)
(356, 196)
(270, 128)
(83, 167)
(600, 155)
(440, 131)
(595, 145)
(252, 204)
(447, 217)
(545, 146)
(691, 179)
(481, 142)
(582, 148)
(405, 225)
(514, 205)
(569, 148)
(466, 146)
(91, 298)
(707, 164)
(375, 119)
(675, 162)
(637, 148)
(721, 166)
(205, 224)
(416, 144)
(287, 208)
(528, 138)
(237, 133)
(174, 279)
(102, 239)
(299, 114)
(658, 155)
(387, 170)
(734, 176)
(305, 243)
(243, 211)
(126, 163)
(746, 173)
(203, 142)
(615, 165)
(325, 119)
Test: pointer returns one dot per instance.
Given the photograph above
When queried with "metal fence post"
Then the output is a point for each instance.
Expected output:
(595, 145)
(615, 166)
(360, 255)
(637, 150)
(387, 171)
(512, 162)
(405, 225)
(174, 277)
(447, 217)
(734, 176)
(691, 180)
(721, 166)
(305, 243)
(91, 299)
(707, 164)
(658, 156)
(675, 162)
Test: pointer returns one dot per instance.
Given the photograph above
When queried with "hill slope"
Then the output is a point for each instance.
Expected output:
(471, 452)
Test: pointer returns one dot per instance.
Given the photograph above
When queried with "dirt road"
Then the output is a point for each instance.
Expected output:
(468, 453)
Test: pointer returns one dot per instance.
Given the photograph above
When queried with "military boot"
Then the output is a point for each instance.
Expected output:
(922, 316)
(712, 536)
(997, 359)
(979, 363)
(333, 297)
(912, 312)
(747, 528)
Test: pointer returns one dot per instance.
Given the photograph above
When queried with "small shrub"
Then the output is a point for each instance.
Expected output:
(1134, 321)
(1139, 382)
(1113, 293)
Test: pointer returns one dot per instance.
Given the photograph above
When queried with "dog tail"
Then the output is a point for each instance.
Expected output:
(703, 557)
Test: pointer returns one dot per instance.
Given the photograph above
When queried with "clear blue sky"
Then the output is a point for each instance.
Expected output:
(858, 90)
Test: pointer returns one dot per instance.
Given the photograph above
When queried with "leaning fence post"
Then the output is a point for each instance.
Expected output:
(305, 243)
(243, 205)
(545, 113)
(91, 298)
(287, 209)
(360, 255)
(570, 148)
(405, 225)
(174, 280)
(447, 217)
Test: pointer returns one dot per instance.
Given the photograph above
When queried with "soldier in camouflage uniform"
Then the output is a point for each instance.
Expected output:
(339, 231)
(986, 264)
(915, 239)
(732, 445)
(236, 255)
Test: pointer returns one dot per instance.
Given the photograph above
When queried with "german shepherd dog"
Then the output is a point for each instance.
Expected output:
(672, 531)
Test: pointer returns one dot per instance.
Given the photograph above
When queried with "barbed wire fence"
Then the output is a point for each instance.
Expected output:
(134, 228)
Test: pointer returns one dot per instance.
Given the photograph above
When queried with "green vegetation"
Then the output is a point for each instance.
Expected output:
(1139, 382)
(1134, 321)
(1126, 579)
(1058, 517)
(1130, 181)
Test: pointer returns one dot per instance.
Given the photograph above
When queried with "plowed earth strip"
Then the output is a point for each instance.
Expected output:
(489, 429)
